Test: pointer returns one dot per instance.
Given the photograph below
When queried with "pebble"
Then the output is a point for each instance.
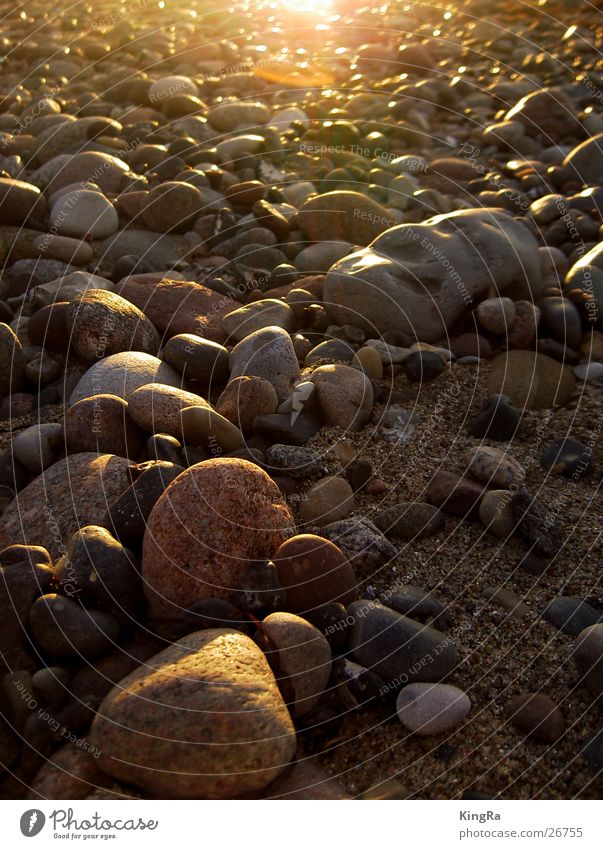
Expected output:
(204, 529)
(531, 380)
(397, 648)
(496, 512)
(205, 428)
(455, 494)
(369, 360)
(301, 658)
(537, 717)
(101, 424)
(101, 323)
(37, 446)
(331, 350)
(30, 519)
(498, 420)
(64, 630)
(419, 604)
(268, 312)
(430, 709)
(344, 394)
(361, 541)
(156, 408)
(496, 315)
(589, 372)
(422, 366)
(314, 572)
(345, 216)
(560, 317)
(267, 353)
(11, 362)
(152, 729)
(121, 374)
(84, 214)
(571, 615)
(127, 515)
(197, 358)
(588, 657)
(244, 398)
(410, 520)
(296, 461)
(567, 457)
(493, 466)
(328, 500)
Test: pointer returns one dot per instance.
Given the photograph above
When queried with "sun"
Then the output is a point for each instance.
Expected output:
(310, 7)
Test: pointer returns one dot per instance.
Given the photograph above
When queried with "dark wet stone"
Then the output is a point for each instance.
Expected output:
(359, 472)
(361, 541)
(332, 621)
(294, 460)
(162, 446)
(418, 603)
(567, 457)
(571, 615)
(560, 317)
(535, 525)
(355, 685)
(422, 366)
(498, 420)
(410, 520)
(259, 591)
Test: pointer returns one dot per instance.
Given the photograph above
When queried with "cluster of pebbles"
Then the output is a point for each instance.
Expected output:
(252, 261)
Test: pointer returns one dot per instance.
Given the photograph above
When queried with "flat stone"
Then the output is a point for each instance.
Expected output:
(429, 709)
(269, 312)
(314, 571)
(156, 408)
(410, 520)
(328, 500)
(571, 615)
(493, 466)
(197, 358)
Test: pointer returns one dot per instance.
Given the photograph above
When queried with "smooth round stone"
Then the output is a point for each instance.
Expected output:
(101, 423)
(302, 657)
(571, 615)
(52, 685)
(84, 214)
(204, 427)
(19, 201)
(455, 494)
(65, 630)
(589, 372)
(547, 208)
(97, 571)
(156, 408)
(345, 396)
(37, 446)
(496, 315)
(121, 374)
(289, 115)
(203, 719)
(585, 162)
(422, 366)
(314, 571)
(470, 345)
(197, 358)
(536, 716)
(231, 149)
(369, 360)
(410, 520)
(429, 709)
(531, 380)
(267, 353)
(214, 518)
(496, 512)
(169, 87)
(560, 317)
(396, 647)
(127, 515)
(330, 350)
(588, 657)
(101, 323)
(171, 206)
(567, 457)
(11, 362)
(258, 315)
(498, 420)
(318, 258)
(108, 172)
(523, 330)
(328, 500)
(42, 370)
(493, 466)
(244, 398)
(232, 115)
(246, 193)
